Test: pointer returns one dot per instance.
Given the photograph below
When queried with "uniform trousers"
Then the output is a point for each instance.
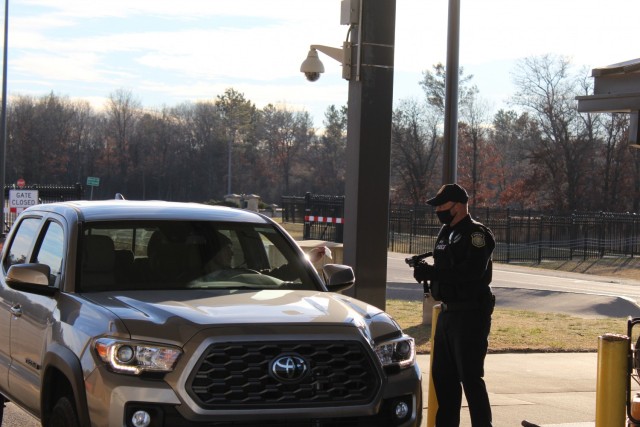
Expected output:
(459, 349)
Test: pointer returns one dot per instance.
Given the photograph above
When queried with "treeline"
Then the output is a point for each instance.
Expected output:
(541, 154)
(176, 153)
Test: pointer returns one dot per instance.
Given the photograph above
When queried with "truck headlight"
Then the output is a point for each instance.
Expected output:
(133, 357)
(400, 352)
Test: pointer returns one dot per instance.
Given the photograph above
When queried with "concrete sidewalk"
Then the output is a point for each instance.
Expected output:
(548, 389)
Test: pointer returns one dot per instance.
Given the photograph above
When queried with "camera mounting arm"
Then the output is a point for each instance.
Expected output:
(312, 67)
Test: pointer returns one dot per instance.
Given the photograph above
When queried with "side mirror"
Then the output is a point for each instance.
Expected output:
(338, 277)
(32, 278)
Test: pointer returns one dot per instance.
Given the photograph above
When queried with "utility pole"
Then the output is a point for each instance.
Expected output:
(3, 119)
(450, 158)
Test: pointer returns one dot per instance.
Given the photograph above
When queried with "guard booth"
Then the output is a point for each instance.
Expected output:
(616, 89)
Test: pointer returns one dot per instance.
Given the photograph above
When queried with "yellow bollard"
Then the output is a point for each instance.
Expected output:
(432, 402)
(611, 380)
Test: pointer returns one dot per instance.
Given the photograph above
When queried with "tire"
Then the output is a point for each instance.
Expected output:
(64, 414)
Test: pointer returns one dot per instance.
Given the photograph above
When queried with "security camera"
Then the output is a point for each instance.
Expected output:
(312, 67)
(311, 76)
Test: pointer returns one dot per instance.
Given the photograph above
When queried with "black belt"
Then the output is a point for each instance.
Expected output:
(488, 302)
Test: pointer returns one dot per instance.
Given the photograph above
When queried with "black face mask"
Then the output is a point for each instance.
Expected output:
(445, 217)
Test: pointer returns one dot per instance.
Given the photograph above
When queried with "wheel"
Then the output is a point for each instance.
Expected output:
(64, 414)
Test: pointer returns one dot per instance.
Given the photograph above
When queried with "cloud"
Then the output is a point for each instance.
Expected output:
(268, 50)
(171, 51)
(56, 67)
(283, 10)
(504, 29)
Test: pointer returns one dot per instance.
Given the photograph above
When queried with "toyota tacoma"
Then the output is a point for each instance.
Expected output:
(163, 314)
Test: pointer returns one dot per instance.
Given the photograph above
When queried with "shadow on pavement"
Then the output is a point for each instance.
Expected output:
(578, 304)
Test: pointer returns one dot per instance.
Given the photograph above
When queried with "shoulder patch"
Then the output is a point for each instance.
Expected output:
(477, 240)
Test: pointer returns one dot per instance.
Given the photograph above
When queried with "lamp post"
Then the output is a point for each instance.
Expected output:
(450, 158)
(232, 140)
(3, 118)
(229, 167)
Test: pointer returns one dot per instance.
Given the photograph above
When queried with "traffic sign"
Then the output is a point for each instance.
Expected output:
(21, 183)
(93, 181)
(19, 200)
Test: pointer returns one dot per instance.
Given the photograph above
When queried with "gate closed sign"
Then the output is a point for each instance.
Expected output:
(22, 199)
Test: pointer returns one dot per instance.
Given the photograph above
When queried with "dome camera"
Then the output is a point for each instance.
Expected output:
(312, 67)
(311, 76)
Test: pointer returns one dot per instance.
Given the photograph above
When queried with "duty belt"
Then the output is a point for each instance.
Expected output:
(469, 305)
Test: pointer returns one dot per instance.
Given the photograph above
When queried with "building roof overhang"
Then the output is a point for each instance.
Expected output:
(616, 89)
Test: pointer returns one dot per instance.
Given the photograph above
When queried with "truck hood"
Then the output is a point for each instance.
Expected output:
(177, 315)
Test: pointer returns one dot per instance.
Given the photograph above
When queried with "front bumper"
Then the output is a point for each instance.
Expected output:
(251, 396)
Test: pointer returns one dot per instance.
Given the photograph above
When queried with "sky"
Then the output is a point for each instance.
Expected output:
(170, 52)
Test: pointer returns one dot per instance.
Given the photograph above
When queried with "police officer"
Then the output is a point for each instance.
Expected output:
(459, 278)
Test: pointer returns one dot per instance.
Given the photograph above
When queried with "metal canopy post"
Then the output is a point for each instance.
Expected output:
(369, 151)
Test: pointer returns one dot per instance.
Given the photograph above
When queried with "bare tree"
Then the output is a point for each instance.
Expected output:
(240, 119)
(325, 159)
(206, 128)
(280, 143)
(433, 85)
(85, 141)
(547, 89)
(479, 176)
(511, 134)
(414, 151)
(123, 110)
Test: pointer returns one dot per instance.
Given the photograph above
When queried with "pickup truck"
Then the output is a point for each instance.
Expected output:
(164, 314)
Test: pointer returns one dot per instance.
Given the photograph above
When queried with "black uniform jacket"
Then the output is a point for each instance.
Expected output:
(462, 261)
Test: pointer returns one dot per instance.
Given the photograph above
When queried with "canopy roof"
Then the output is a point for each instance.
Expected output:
(616, 89)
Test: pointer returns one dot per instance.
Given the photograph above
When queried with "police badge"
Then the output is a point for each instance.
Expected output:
(477, 240)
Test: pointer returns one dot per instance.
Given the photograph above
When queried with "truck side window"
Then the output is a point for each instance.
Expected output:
(22, 242)
(51, 251)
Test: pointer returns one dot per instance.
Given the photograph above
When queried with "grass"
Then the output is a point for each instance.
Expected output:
(295, 230)
(518, 330)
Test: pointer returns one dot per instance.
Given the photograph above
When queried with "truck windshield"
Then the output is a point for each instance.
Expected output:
(150, 255)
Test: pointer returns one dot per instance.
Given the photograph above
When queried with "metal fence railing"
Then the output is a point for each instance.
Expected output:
(521, 236)
(527, 236)
(323, 216)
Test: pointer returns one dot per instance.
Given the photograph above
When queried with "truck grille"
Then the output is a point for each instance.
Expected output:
(230, 375)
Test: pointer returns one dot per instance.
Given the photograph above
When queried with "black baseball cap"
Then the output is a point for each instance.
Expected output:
(449, 193)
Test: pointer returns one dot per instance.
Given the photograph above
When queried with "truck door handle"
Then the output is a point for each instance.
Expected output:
(16, 310)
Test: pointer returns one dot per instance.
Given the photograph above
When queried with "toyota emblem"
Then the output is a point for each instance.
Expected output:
(289, 368)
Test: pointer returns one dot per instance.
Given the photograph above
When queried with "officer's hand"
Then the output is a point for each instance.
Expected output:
(423, 272)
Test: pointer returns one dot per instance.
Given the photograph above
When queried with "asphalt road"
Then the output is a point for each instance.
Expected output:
(536, 289)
